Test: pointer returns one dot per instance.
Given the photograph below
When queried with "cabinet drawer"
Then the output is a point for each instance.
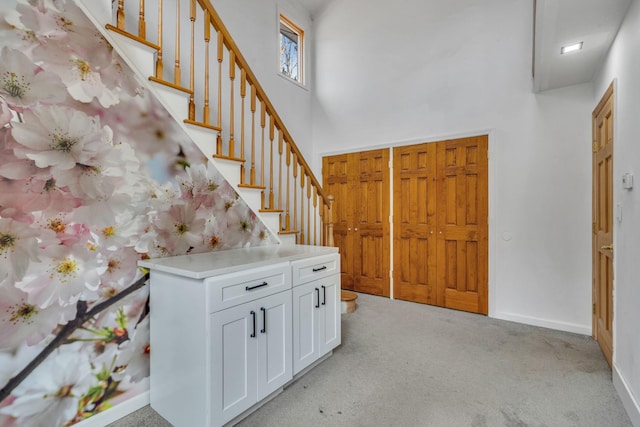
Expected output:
(237, 288)
(315, 268)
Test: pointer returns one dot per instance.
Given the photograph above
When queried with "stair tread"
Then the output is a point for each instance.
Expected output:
(223, 157)
(204, 125)
(257, 187)
(132, 36)
(171, 85)
(288, 232)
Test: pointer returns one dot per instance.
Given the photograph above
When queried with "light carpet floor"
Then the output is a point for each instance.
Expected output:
(405, 364)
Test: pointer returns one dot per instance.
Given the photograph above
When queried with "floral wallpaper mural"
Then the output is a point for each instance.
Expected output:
(94, 175)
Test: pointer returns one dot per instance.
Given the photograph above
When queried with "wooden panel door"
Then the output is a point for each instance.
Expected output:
(360, 184)
(414, 212)
(337, 172)
(371, 225)
(603, 224)
(441, 223)
(463, 224)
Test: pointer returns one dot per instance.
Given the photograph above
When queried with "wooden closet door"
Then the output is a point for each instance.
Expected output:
(463, 224)
(414, 212)
(359, 183)
(371, 225)
(337, 172)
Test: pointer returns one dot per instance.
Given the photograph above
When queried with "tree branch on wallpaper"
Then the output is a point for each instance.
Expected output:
(82, 317)
(94, 175)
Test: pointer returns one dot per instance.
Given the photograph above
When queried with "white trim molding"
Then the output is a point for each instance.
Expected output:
(545, 323)
(629, 401)
(114, 414)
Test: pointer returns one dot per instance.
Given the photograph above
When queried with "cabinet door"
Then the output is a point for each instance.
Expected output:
(275, 367)
(233, 361)
(306, 310)
(329, 323)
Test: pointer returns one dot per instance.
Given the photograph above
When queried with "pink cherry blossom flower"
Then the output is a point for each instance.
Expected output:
(149, 128)
(134, 356)
(18, 248)
(118, 270)
(200, 185)
(23, 83)
(6, 114)
(179, 229)
(12, 167)
(65, 275)
(60, 137)
(119, 234)
(21, 321)
(50, 396)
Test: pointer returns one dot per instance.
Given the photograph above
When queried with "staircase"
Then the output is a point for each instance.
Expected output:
(191, 64)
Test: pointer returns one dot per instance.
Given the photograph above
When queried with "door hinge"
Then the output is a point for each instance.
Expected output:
(595, 146)
(594, 308)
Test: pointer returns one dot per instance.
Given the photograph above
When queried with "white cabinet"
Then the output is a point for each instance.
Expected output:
(223, 331)
(316, 309)
(220, 344)
(251, 354)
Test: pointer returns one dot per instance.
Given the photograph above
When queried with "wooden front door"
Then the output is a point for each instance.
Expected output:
(441, 223)
(360, 185)
(603, 224)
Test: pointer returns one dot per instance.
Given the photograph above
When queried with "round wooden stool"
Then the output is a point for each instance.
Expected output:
(348, 301)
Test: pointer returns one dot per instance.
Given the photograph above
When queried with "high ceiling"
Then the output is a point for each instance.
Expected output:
(560, 22)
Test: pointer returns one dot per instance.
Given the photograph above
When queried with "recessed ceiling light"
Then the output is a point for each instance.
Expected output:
(570, 48)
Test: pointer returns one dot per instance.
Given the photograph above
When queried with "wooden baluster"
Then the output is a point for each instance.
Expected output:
(262, 125)
(271, 135)
(142, 25)
(287, 217)
(280, 167)
(176, 68)
(252, 170)
(159, 64)
(330, 241)
(192, 103)
(207, 37)
(295, 191)
(323, 214)
(232, 77)
(302, 175)
(120, 15)
(315, 215)
(220, 58)
(243, 94)
(309, 211)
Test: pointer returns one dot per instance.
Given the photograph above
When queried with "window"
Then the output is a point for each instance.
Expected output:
(291, 49)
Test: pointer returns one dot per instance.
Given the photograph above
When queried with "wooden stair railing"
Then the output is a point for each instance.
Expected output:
(301, 209)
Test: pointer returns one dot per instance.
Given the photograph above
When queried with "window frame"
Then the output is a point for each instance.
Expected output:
(284, 20)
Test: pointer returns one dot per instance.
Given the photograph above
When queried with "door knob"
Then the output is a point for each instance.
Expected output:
(355, 229)
(607, 248)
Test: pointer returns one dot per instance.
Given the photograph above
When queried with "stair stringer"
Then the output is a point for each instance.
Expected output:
(176, 103)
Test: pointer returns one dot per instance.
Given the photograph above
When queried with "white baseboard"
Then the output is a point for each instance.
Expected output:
(544, 323)
(114, 414)
(629, 401)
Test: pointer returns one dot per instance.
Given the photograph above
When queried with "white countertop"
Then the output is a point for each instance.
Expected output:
(200, 266)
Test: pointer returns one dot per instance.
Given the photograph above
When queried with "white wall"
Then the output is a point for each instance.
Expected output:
(623, 66)
(425, 70)
(254, 26)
